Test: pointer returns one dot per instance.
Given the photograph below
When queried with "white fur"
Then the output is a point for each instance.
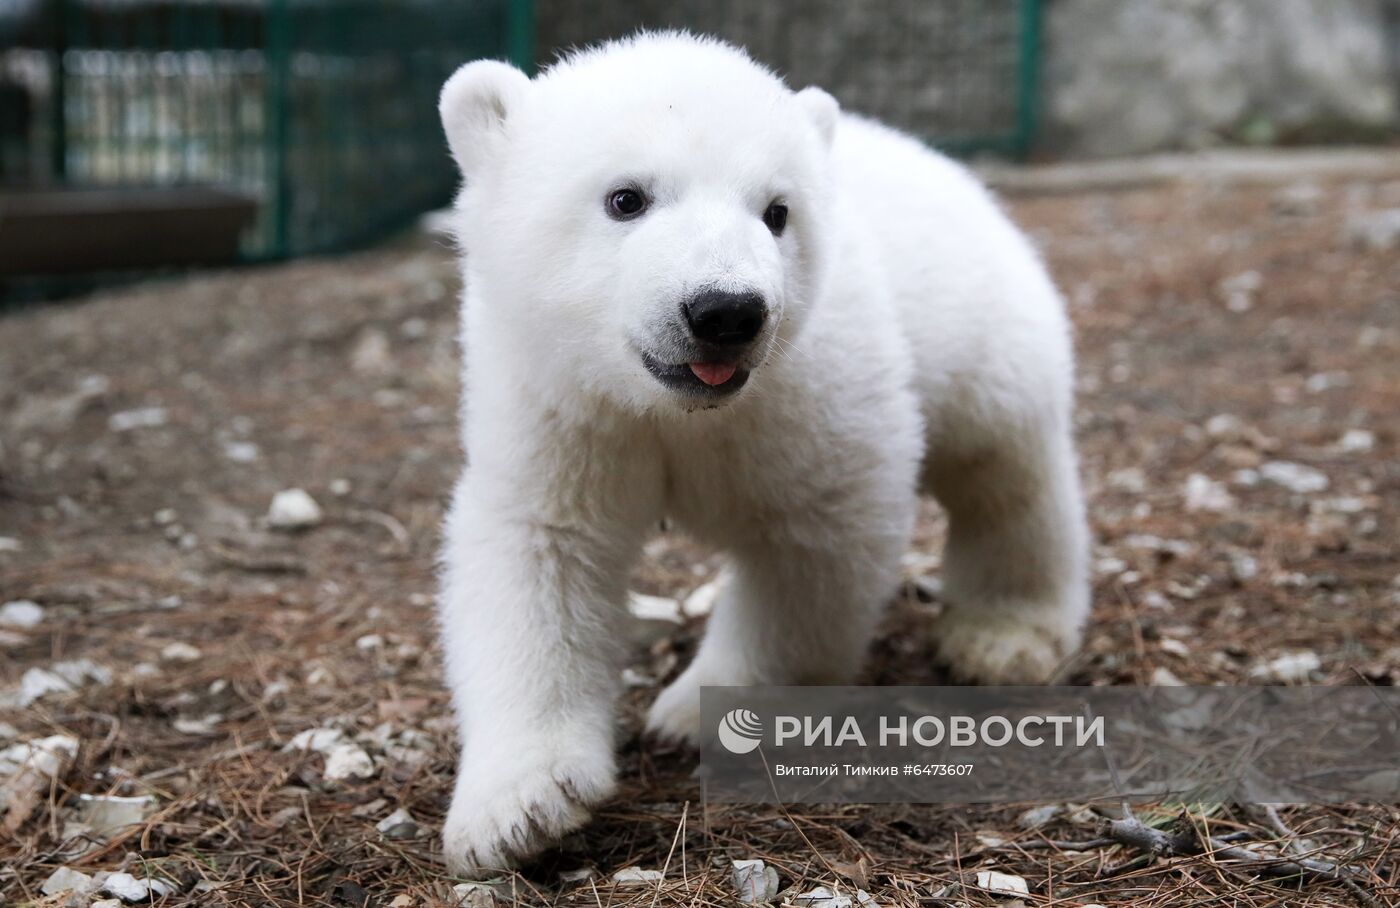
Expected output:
(914, 344)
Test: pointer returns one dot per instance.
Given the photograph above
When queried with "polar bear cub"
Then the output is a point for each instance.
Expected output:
(694, 293)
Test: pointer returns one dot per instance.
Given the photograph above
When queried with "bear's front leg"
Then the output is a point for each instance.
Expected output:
(529, 612)
(800, 608)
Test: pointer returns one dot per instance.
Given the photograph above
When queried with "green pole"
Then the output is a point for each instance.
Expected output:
(58, 102)
(520, 34)
(279, 43)
(1028, 78)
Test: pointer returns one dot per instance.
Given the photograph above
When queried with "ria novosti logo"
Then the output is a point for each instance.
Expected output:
(740, 731)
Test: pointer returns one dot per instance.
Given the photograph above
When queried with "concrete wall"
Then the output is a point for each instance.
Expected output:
(1118, 76)
(1127, 76)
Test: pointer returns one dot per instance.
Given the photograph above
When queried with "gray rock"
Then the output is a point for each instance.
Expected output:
(65, 879)
(398, 825)
(756, 882)
(293, 509)
(1378, 231)
(21, 613)
(1294, 476)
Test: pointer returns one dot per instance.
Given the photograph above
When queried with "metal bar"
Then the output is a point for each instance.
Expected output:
(279, 189)
(58, 100)
(1028, 78)
(520, 34)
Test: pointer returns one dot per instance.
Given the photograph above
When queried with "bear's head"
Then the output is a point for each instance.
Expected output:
(649, 217)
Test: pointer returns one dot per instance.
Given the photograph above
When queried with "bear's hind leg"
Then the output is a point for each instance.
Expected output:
(1014, 571)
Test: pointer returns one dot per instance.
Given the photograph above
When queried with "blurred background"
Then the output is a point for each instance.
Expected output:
(146, 133)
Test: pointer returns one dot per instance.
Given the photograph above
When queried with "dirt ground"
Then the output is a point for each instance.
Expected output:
(1225, 327)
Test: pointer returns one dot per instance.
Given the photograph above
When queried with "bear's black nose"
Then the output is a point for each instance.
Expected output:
(721, 317)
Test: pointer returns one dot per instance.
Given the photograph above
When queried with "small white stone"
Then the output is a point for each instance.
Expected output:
(206, 725)
(398, 825)
(106, 903)
(276, 689)
(1245, 478)
(126, 887)
(756, 881)
(369, 642)
(1356, 441)
(822, 897)
(1225, 427)
(65, 879)
(1038, 816)
(372, 354)
(1001, 883)
(1163, 677)
(40, 682)
(241, 451)
(132, 889)
(1326, 381)
(164, 517)
(1342, 504)
(474, 895)
(1377, 231)
(144, 670)
(1288, 667)
(160, 887)
(293, 509)
(1154, 599)
(1174, 646)
(78, 672)
(319, 740)
(21, 613)
(347, 761)
(1110, 566)
(340, 487)
(179, 651)
(1202, 493)
(140, 418)
(104, 814)
(9, 544)
(1294, 476)
(43, 758)
(1129, 479)
(1243, 568)
(631, 876)
(580, 875)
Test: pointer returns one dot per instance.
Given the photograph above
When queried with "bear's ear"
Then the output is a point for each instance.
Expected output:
(822, 109)
(474, 106)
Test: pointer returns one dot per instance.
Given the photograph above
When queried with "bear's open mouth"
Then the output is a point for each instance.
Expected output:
(710, 379)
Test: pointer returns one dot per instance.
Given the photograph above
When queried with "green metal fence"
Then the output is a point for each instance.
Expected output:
(324, 111)
(321, 114)
(960, 73)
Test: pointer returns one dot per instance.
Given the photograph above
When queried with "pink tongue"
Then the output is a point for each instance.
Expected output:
(714, 373)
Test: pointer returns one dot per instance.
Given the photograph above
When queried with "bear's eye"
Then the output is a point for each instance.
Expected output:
(626, 204)
(776, 218)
